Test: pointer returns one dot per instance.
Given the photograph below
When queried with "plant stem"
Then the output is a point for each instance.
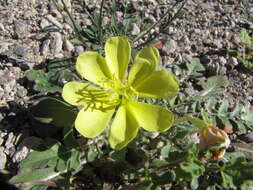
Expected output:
(170, 165)
(151, 27)
(73, 22)
(151, 37)
(101, 39)
(181, 119)
(176, 14)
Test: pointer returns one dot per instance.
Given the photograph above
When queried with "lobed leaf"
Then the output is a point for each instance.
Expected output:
(214, 85)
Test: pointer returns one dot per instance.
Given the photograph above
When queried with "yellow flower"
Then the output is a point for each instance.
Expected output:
(110, 94)
(213, 136)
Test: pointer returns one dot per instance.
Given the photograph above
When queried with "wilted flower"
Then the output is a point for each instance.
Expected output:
(113, 93)
(213, 136)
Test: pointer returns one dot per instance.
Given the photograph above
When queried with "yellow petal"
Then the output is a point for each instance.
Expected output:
(93, 67)
(123, 130)
(159, 84)
(70, 93)
(150, 117)
(117, 53)
(145, 63)
(91, 123)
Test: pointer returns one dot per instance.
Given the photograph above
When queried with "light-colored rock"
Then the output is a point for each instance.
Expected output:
(21, 29)
(10, 141)
(20, 50)
(233, 61)
(4, 46)
(2, 27)
(44, 23)
(20, 154)
(79, 49)
(25, 147)
(222, 60)
(170, 46)
(21, 92)
(68, 45)
(54, 21)
(57, 42)
(45, 47)
(3, 158)
(136, 30)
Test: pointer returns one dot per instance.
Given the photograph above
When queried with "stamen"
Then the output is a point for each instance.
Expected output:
(97, 99)
(115, 93)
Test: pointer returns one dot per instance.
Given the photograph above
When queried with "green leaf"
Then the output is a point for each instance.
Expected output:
(245, 38)
(242, 128)
(233, 52)
(247, 63)
(59, 70)
(35, 175)
(227, 181)
(39, 187)
(37, 159)
(190, 171)
(165, 151)
(237, 110)
(197, 122)
(246, 187)
(210, 104)
(237, 172)
(33, 74)
(233, 155)
(176, 156)
(162, 178)
(92, 155)
(194, 168)
(119, 155)
(158, 163)
(246, 149)
(194, 68)
(226, 122)
(144, 185)
(44, 165)
(54, 111)
(205, 116)
(64, 181)
(214, 85)
(76, 41)
(68, 137)
(223, 109)
(74, 162)
(247, 116)
(61, 164)
(212, 187)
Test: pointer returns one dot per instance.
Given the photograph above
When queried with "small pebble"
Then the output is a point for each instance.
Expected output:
(45, 47)
(56, 44)
(21, 29)
(54, 21)
(136, 30)
(68, 45)
(20, 50)
(3, 158)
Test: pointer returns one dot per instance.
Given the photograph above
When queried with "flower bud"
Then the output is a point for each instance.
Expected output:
(213, 136)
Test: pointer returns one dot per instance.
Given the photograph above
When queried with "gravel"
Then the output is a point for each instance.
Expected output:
(32, 31)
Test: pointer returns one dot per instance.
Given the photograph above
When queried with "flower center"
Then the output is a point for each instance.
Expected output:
(123, 89)
(115, 93)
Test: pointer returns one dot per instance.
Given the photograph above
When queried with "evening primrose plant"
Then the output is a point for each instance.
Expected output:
(112, 93)
(194, 153)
